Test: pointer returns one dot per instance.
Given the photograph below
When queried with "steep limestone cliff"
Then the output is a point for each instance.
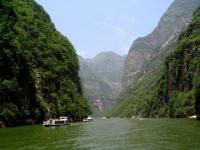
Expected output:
(180, 82)
(145, 49)
(101, 79)
(147, 90)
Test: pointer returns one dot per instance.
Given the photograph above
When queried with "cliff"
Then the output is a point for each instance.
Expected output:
(101, 79)
(149, 89)
(180, 82)
(145, 49)
(39, 67)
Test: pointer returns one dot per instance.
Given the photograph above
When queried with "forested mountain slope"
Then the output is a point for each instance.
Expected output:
(38, 67)
(179, 88)
(147, 94)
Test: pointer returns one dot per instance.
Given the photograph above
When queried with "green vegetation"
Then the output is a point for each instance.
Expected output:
(172, 88)
(38, 67)
(180, 84)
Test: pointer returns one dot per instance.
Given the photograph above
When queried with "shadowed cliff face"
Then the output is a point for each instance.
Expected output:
(145, 49)
(182, 73)
(101, 79)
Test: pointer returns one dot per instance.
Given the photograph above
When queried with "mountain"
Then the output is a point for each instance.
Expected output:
(145, 64)
(39, 68)
(101, 79)
(160, 41)
(179, 87)
(108, 67)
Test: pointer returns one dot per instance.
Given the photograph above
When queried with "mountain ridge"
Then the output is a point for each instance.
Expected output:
(143, 50)
(101, 78)
(141, 80)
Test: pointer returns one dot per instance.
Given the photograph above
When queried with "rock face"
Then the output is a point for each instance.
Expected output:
(101, 79)
(108, 67)
(145, 49)
(158, 87)
(180, 84)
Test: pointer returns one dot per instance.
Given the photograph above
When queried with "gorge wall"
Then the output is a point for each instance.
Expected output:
(101, 79)
(144, 92)
(38, 67)
(145, 49)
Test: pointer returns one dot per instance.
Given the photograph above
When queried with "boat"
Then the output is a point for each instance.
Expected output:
(139, 117)
(88, 119)
(193, 117)
(56, 122)
(104, 118)
(133, 117)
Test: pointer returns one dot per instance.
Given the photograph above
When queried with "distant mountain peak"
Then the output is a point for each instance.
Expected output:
(101, 77)
(107, 54)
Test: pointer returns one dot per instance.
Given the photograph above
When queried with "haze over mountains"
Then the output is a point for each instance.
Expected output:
(42, 78)
(101, 79)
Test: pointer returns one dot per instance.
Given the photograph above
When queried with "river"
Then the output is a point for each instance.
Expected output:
(110, 134)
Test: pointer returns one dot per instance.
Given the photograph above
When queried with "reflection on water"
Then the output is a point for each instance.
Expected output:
(110, 134)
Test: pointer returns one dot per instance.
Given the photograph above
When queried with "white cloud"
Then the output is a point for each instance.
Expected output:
(128, 19)
(121, 31)
(100, 22)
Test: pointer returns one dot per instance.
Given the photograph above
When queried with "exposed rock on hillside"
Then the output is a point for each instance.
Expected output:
(101, 79)
(143, 50)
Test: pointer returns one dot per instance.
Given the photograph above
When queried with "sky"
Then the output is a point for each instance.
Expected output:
(94, 26)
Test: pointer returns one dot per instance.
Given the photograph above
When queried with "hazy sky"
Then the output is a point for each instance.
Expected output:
(94, 26)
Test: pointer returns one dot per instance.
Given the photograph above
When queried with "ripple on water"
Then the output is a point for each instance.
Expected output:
(110, 134)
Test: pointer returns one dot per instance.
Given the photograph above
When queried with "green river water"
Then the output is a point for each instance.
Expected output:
(110, 134)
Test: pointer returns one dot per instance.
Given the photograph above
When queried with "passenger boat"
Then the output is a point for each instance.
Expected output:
(56, 122)
(193, 117)
(139, 117)
(88, 119)
(104, 118)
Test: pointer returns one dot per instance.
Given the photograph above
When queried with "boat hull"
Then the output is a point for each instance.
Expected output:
(55, 125)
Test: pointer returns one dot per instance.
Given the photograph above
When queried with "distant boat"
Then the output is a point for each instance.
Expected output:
(88, 119)
(133, 117)
(193, 117)
(56, 122)
(104, 118)
(139, 117)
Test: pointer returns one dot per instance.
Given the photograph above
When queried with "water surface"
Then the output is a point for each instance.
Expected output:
(110, 134)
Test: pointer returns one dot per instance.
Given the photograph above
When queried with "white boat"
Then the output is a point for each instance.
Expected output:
(56, 122)
(139, 117)
(133, 117)
(104, 118)
(193, 117)
(88, 119)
